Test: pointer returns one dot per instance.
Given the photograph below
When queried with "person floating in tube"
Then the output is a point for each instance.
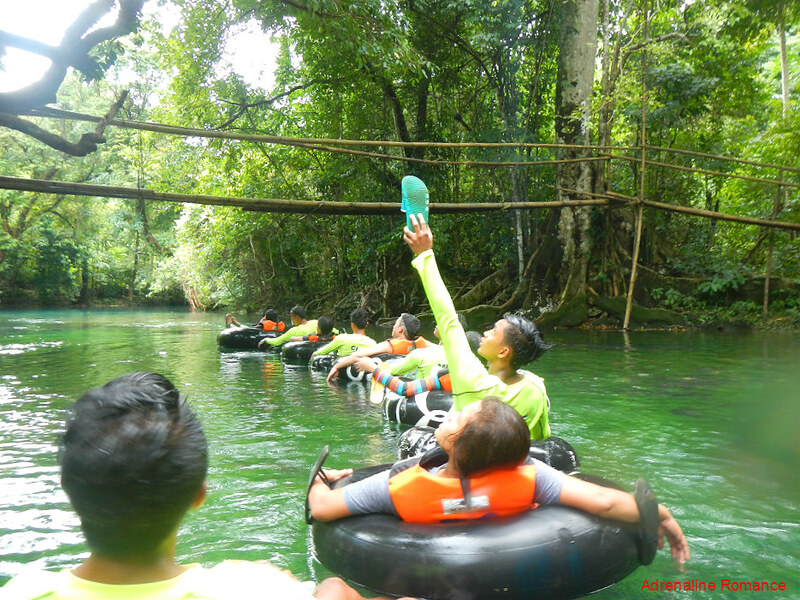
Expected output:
(134, 461)
(269, 321)
(300, 327)
(420, 362)
(348, 343)
(325, 332)
(404, 339)
(483, 449)
(430, 380)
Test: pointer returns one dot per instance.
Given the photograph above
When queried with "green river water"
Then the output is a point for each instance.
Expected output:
(711, 420)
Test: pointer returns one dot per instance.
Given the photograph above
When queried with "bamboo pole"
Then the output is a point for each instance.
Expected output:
(461, 163)
(740, 161)
(48, 112)
(708, 172)
(771, 248)
(640, 212)
(272, 204)
(56, 113)
(700, 212)
(610, 199)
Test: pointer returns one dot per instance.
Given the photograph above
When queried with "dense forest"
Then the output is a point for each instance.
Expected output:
(600, 118)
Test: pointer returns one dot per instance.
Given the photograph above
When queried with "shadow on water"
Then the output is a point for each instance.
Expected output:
(712, 421)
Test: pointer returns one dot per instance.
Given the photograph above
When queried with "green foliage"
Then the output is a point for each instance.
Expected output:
(422, 70)
(721, 283)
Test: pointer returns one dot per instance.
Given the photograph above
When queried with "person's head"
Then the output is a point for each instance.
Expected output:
(271, 315)
(407, 326)
(359, 318)
(483, 435)
(515, 339)
(297, 314)
(133, 461)
(324, 325)
(474, 340)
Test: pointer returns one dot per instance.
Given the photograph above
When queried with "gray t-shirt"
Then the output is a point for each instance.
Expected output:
(371, 495)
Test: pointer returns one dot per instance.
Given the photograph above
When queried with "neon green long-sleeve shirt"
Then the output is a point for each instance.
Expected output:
(421, 360)
(471, 380)
(306, 328)
(345, 344)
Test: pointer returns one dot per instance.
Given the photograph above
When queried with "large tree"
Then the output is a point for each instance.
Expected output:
(84, 47)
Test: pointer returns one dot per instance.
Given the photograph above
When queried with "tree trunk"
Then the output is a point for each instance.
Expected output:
(135, 272)
(578, 46)
(484, 290)
(776, 207)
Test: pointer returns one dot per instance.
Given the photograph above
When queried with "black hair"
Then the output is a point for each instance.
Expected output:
(271, 315)
(360, 318)
(525, 340)
(496, 436)
(133, 459)
(298, 311)
(474, 340)
(325, 325)
(411, 325)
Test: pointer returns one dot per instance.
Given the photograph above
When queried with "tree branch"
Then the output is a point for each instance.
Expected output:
(86, 145)
(245, 106)
(73, 50)
(305, 8)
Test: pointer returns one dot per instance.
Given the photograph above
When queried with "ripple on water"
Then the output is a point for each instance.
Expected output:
(12, 349)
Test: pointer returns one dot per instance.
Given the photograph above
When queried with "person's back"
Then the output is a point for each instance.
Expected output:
(133, 461)
(346, 344)
(228, 580)
(405, 338)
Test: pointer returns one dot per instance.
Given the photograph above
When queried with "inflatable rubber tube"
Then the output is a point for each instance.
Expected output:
(300, 351)
(552, 553)
(243, 338)
(322, 362)
(325, 362)
(428, 409)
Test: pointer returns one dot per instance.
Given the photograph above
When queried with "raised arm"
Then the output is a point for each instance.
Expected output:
(470, 378)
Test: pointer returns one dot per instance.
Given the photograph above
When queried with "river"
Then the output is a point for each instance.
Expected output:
(711, 420)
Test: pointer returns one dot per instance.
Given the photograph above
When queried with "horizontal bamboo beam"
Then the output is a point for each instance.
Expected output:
(708, 172)
(48, 112)
(740, 161)
(350, 208)
(460, 163)
(271, 204)
(722, 216)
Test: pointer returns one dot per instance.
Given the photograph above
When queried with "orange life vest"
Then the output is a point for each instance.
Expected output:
(315, 337)
(268, 325)
(421, 497)
(404, 346)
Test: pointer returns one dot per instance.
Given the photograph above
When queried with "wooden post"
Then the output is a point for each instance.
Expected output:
(776, 207)
(640, 212)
